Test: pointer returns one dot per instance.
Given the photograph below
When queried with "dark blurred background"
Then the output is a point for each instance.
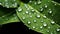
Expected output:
(18, 27)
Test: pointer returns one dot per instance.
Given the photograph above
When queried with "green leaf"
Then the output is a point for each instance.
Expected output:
(48, 7)
(7, 16)
(36, 20)
(9, 3)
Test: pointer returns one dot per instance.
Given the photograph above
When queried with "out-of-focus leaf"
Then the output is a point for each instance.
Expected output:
(9, 3)
(7, 16)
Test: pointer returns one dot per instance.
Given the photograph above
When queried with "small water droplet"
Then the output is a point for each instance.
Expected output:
(48, 27)
(46, 6)
(25, 5)
(29, 22)
(33, 10)
(58, 29)
(35, 3)
(51, 33)
(50, 12)
(23, 18)
(44, 16)
(41, 27)
(35, 21)
(42, 21)
(30, 1)
(19, 9)
(52, 22)
(28, 9)
(41, 9)
(33, 27)
(38, 16)
(47, 30)
(3, 16)
(45, 24)
(27, 12)
(30, 16)
(0, 3)
(55, 4)
(39, 2)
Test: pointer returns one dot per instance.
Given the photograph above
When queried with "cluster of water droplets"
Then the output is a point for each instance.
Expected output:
(8, 3)
(32, 13)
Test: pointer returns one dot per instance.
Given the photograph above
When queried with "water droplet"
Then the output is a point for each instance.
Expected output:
(29, 22)
(6, 0)
(44, 16)
(52, 22)
(42, 21)
(35, 3)
(46, 6)
(19, 9)
(47, 30)
(51, 33)
(23, 13)
(58, 29)
(39, 2)
(0, 3)
(41, 27)
(15, 4)
(55, 4)
(45, 24)
(35, 21)
(33, 27)
(14, 0)
(33, 10)
(30, 16)
(38, 16)
(27, 12)
(3, 16)
(26, 5)
(23, 18)
(30, 1)
(41, 9)
(50, 11)
(28, 9)
(48, 27)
